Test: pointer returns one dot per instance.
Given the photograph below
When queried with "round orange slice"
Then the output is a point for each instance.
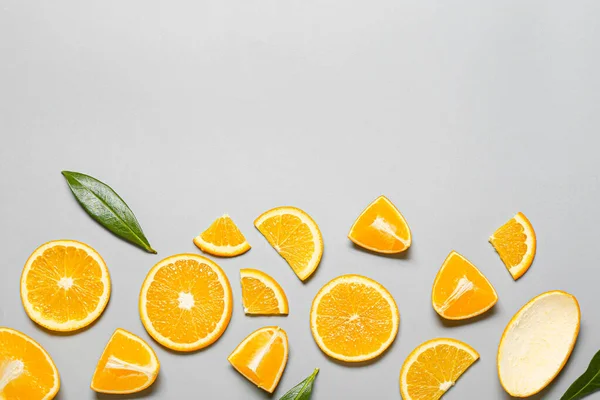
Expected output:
(261, 294)
(353, 318)
(65, 285)
(26, 369)
(381, 228)
(262, 356)
(515, 242)
(185, 302)
(222, 238)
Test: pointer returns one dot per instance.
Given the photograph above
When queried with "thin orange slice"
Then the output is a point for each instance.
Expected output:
(295, 236)
(127, 365)
(26, 369)
(261, 294)
(515, 242)
(460, 290)
(262, 356)
(185, 302)
(222, 238)
(353, 318)
(434, 367)
(381, 228)
(65, 285)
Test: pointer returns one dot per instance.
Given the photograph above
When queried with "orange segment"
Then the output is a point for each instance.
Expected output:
(65, 285)
(515, 242)
(262, 357)
(353, 318)
(460, 290)
(185, 302)
(381, 228)
(222, 238)
(26, 369)
(127, 365)
(261, 294)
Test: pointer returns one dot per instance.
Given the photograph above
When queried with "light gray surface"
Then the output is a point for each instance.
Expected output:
(461, 112)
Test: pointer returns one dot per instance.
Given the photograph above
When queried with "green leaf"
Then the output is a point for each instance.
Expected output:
(303, 390)
(587, 383)
(106, 207)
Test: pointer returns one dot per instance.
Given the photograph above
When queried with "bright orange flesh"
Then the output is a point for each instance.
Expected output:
(460, 290)
(515, 243)
(262, 356)
(222, 238)
(261, 294)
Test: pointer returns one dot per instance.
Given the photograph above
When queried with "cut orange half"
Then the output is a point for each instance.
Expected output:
(434, 367)
(127, 365)
(65, 285)
(381, 228)
(295, 236)
(222, 238)
(185, 302)
(353, 318)
(460, 290)
(261, 294)
(26, 369)
(262, 356)
(515, 242)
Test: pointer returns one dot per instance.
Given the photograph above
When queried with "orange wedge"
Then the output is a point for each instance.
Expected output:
(65, 285)
(261, 294)
(353, 318)
(295, 236)
(460, 290)
(262, 357)
(515, 243)
(185, 302)
(434, 367)
(222, 238)
(26, 369)
(381, 228)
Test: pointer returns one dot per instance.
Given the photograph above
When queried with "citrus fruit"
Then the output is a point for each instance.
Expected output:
(222, 238)
(460, 290)
(434, 367)
(353, 318)
(261, 294)
(537, 343)
(381, 228)
(26, 369)
(127, 365)
(515, 243)
(185, 302)
(65, 285)
(295, 236)
(262, 356)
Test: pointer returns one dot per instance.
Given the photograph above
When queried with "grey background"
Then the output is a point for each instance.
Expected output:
(461, 112)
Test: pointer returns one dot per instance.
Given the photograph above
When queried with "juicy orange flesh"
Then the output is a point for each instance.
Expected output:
(379, 228)
(194, 286)
(509, 242)
(258, 298)
(223, 232)
(56, 269)
(37, 376)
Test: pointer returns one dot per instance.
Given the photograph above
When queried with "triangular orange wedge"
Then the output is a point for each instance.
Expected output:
(515, 243)
(222, 238)
(261, 294)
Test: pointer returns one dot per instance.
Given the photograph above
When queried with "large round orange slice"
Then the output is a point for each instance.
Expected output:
(222, 238)
(515, 243)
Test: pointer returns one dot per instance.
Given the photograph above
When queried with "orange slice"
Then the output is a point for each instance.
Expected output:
(261, 294)
(515, 243)
(262, 357)
(434, 367)
(460, 290)
(295, 236)
(127, 365)
(65, 285)
(381, 228)
(222, 238)
(26, 369)
(353, 318)
(185, 302)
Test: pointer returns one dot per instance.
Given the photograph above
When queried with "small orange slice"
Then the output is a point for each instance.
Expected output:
(460, 290)
(222, 238)
(127, 365)
(65, 285)
(381, 228)
(262, 356)
(515, 242)
(261, 294)
(26, 369)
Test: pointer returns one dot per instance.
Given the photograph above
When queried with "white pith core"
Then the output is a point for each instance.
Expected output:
(65, 283)
(258, 357)
(186, 301)
(444, 386)
(10, 371)
(463, 286)
(383, 226)
(116, 363)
